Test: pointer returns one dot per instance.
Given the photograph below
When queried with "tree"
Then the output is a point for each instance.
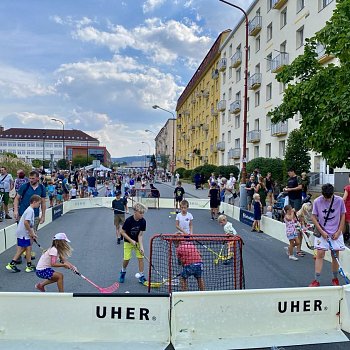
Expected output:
(10, 155)
(63, 164)
(273, 165)
(321, 94)
(14, 164)
(297, 154)
(81, 160)
(37, 163)
(164, 161)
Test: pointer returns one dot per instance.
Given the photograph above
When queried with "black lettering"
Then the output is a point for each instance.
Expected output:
(318, 305)
(144, 314)
(280, 310)
(116, 311)
(130, 313)
(294, 305)
(306, 305)
(98, 312)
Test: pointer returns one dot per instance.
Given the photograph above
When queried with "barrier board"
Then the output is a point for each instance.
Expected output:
(256, 318)
(2, 241)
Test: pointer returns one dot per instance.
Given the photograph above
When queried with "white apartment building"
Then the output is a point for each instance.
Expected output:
(166, 142)
(277, 32)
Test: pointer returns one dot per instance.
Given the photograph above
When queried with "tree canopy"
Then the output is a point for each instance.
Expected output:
(321, 94)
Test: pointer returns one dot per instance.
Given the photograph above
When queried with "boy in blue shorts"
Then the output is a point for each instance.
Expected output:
(132, 231)
(25, 234)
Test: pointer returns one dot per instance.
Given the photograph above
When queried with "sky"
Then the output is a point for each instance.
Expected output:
(100, 65)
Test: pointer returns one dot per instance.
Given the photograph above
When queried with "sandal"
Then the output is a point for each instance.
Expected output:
(300, 253)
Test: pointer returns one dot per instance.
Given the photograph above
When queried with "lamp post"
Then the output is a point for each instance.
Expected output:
(173, 147)
(243, 192)
(64, 148)
(155, 144)
(44, 133)
(149, 149)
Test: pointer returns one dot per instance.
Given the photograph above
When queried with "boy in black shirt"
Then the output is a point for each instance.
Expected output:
(178, 196)
(132, 231)
(120, 206)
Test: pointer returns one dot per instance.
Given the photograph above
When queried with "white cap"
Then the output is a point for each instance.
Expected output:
(62, 236)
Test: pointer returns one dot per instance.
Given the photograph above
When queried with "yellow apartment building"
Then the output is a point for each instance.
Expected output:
(198, 107)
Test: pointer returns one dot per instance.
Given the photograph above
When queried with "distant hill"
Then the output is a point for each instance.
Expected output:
(129, 160)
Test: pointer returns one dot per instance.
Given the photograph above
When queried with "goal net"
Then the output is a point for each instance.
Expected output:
(144, 196)
(195, 262)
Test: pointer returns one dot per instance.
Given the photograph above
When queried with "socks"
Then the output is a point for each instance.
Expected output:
(317, 276)
(141, 274)
(123, 269)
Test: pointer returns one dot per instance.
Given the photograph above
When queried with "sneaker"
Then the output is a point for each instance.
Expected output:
(38, 286)
(253, 230)
(142, 279)
(335, 282)
(122, 276)
(314, 283)
(30, 268)
(18, 261)
(118, 240)
(12, 267)
(292, 257)
(260, 231)
(7, 216)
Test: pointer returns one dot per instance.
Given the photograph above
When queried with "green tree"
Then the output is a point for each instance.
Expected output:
(13, 164)
(10, 154)
(37, 163)
(321, 94)
(297, 154)
(63, 164)
(164, 161)
(273, 165)
(81, 160)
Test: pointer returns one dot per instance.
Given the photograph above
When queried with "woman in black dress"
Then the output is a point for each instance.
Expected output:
(214, 195)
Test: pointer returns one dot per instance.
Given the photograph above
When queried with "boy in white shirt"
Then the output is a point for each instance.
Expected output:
(184, 219)
(228, 228)
(25, 234)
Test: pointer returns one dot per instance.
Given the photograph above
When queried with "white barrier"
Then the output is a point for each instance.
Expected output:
(345, 310)
(256, 318)
(90, 319)
(2, 241)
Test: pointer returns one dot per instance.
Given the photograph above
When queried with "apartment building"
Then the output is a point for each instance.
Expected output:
(197, 127)
(277, 32)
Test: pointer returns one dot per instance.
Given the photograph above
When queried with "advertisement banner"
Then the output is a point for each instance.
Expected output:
(246, 216)
(57, 211)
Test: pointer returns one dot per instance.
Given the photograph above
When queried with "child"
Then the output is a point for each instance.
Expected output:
(120, 206)
(132, 231)
(59, 193)
(228, 228)
(268, 211)
(107, 189)
(184, 219)
(51, 189)
(304, 216)
(178, 195)
(25, 234)
(214, 195)
(290, 221)
(56, 256)
(257, 213)
(191, 260)
(143, 191)
(73, 192)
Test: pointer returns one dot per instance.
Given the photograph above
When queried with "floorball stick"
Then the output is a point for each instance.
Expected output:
(165, 281)
(37, 243)
(340, 269)
(219, 256)
(106, 290)
(121, 211)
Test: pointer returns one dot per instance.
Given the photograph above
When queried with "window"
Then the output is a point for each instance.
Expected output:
(12, 144)
(223, 118)
(269, 32)
(21, 144)
(257, 68)
(238, 75)
(300, 5)
(282, 87)
(268, 92)
(248, 104)
(269, 5)
(39, 152)
(58, 145)
(229, 136)
(283, 17)
(323, 3)
(223, 136)
(230, 73)
(268, 150)
(282, 148)
(224, 78)
(256, 124)
(237, 121)
(268, 122)
(257, 44)
(48, 144)
(39, 144)
(300, 37)
(237, 143)
(256, 151)
(257, 98)
(248, 53)
(238, 96)
(230, 93)
(230, 51)
(31, 144)
(268, 62)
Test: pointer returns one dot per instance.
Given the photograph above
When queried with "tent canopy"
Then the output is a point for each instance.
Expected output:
(102, 168)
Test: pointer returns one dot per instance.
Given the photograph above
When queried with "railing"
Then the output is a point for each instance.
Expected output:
(214, 112)
(234, 153)
(254, 136)
(215, 74)
(254, 81)
(235, 106)
(221, 146)
(322, 56)
(279, 129)
(254, 25)
(279, 62)
(236, 59)
(222, 64)
(278, 4)
(213, 148)
(205, 93)
(222, 105)
(205, 127)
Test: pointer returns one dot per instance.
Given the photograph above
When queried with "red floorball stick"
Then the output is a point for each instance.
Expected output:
(106, 290)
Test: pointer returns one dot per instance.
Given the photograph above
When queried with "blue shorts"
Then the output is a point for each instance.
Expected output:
(292, 235)
(194, 270)
(45, 274)
(22, 242)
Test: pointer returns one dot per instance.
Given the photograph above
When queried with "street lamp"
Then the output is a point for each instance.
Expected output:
(243, 192)
(173, 148)
(149, 149)
(64, 149)
(44, 133)
(155, 143)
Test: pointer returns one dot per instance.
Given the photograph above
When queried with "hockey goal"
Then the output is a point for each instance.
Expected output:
(195, 262)
(144, 196)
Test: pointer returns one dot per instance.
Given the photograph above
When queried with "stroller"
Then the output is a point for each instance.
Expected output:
(277, 209)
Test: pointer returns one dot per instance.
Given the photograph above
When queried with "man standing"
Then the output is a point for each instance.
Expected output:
(6, 185)
(91, 180)
(328, 216)
(294, 189)
(230, 189)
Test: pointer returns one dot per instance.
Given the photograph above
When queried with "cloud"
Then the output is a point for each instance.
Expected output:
(150, 5)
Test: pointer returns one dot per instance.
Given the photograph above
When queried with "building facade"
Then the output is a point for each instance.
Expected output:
(197, 127)
(166, 143)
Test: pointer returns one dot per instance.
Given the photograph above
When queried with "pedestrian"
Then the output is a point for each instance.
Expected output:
(269, 183)
(328, 216)
(56, 256)
(25, 234)
(132, 232)
(184, 219)
(178, 195)
(230, 189)
(197, 181)
(73, 192)
(260, 188)
(228, 227)
(346, 199)
(291, 232)
(120, 206)
(154, 192)
(51, 190)
(250, 188)
(304, 184)
(6, 185)
(257, 206)
(20, 179)
(214, 195)
(91, 181)
(294, 189)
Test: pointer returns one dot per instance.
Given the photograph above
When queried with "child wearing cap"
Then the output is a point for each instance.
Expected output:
(120, 207)
(56, 256)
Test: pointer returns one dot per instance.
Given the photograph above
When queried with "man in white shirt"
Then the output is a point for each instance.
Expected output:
(230, 189)
(6, 185)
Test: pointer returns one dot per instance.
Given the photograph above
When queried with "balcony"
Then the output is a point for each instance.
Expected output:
(234, 153)
(254, 25)
(254, 82)
(205, 127)
(205, 93)
(222, 64)
(215, 74)
(254, 136)
(213, 149)
(279, 62)
(198, 94)
(221, 146)
(236, 59)
(279, 129)
(193, 126)
(193, 99)
(321, 54)
(235, 107)
(278, 4)
(222, 105)
(186, 113)
(214, 112)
